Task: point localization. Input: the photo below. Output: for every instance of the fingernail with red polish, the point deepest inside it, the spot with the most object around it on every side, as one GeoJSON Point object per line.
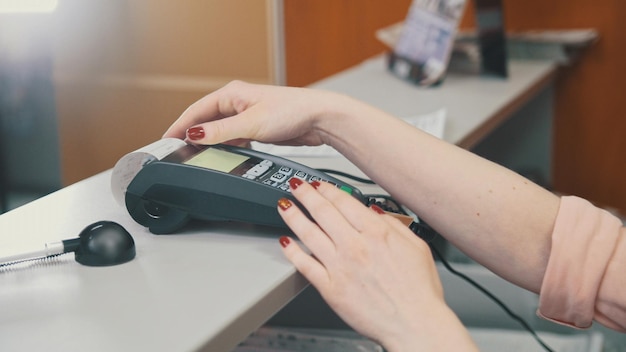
{"type": "Point", "coordinates": [315, 184]}
{"type": "Point", "coordinates": [294, 182]}
{"type": "Point", "coordinates": [284, 203]}
{"type": "Point", "coordinates": [377, 209]}
{"type": "Point", "coordinates": [195, 133]}
{"type": "Point", "coordinates": [284, 241]}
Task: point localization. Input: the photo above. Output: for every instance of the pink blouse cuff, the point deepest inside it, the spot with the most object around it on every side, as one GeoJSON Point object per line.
{"type": "Point", "coordinates": [583, 242]}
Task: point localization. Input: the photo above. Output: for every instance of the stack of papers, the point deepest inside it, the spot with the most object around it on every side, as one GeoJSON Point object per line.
{"type": "Point", "coordinates": [287, 339]}
{"type": "Point", "coordinates": [497, 340]}
{"type": "Point", "coordinates": [290, 339]}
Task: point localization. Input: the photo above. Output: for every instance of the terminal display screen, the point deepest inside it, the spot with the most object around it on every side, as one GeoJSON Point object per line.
{"type": "Point", "coordinates": [217, 159]}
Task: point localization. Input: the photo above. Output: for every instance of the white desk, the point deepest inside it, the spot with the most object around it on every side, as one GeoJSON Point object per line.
{"type": "Point", "coordinates": [210, 286]}
{"type": "Point", "coordinates": [207, 287]}
{"type": "Point", "coordinates": [475, 104]}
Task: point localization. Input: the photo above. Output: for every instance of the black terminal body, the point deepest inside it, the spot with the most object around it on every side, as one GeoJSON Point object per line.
{"type": "Point", "coordinates": [216, 183]}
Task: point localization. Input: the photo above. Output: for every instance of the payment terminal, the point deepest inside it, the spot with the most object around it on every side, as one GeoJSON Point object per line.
{"type": "Point", "coordinates": [216, 183]}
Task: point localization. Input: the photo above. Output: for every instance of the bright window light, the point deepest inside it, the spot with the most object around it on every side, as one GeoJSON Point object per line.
{"type": "Point", "coordinates": [27, 6]}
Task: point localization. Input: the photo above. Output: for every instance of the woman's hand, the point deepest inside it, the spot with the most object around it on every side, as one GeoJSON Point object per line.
{"type": "Point", "coordinates": [372, 270]}
{"type": "Point", "coordinates": [240, 112]}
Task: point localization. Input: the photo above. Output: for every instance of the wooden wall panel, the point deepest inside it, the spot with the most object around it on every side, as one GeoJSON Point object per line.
{"type": "Point", "coordinates": [590, 124]}
{"type": "Point", "coordinates": [125, 70]}
{"type": "Point", "coordinates": [324, 37]}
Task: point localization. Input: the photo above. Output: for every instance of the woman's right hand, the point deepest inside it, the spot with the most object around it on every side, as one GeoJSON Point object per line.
{"type": "Point", "coordinates": [371, 269]}
{"type": "Point", "coordinates": [241, 112]}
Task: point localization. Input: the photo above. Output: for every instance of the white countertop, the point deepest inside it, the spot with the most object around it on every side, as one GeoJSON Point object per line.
{"type": "Point", "coordinates": [475, 104]}
{"type": "Point", "coordinates": [207, 286]}
{"type": "Point", "coordinates": [212, 284]}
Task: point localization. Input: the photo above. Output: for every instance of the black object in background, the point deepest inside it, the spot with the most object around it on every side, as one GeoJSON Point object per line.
{"type": "Point", "coordinates": [491, 37]}
{"type": "Point", "coordinates": [4, 206]}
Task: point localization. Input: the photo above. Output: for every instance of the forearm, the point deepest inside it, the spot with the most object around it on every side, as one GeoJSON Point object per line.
{"type": "Point", "coordinates": [491, 213]}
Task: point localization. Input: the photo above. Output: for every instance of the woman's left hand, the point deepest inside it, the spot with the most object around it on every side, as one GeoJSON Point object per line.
{"type": "Point", "coordinates": [370, 268]}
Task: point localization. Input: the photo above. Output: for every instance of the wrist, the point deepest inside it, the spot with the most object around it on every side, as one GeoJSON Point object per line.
{"type": "Point", "coordinates": [333, 114]}
{"type": "Point", "coordinates": [346, 123]}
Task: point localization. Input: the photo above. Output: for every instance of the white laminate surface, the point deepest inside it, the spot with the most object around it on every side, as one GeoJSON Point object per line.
{"type": "Point", "coordinates": [212, 284]}
{"type": "Point", "coordinates": [470, 100]}
{"type": "Point", "coordinates": [206, 287]}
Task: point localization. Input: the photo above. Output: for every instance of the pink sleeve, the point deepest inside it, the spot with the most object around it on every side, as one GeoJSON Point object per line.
{"type": "Point", "coordinates": [584, 279]}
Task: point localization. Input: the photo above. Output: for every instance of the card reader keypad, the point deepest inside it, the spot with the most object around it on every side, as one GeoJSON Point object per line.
{"type": "Point", "coordinates": [258, 170]}
{"type": "Point", "coordinates": [277, 176]}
